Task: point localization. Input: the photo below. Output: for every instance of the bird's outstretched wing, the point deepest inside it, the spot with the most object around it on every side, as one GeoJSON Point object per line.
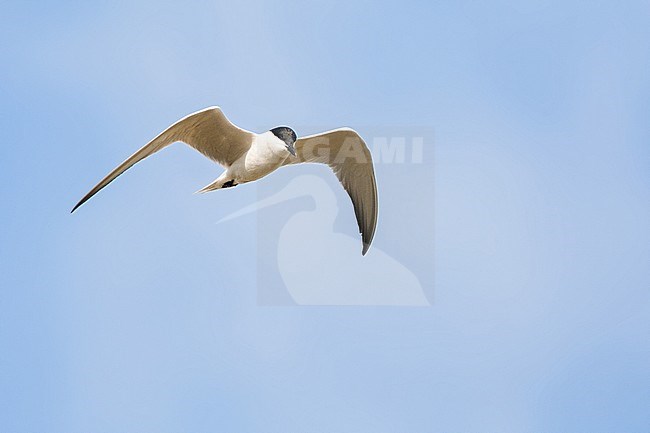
{"type": "Point", "coordinates": [208, 131]}
{"type": "Point", "coordinates": [349, 158]}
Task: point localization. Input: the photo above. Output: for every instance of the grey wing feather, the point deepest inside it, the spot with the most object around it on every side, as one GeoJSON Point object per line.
{"type": "Point", "coordinates": [345, 152]}
{"type": "Point", "coordinates": [208, 131]}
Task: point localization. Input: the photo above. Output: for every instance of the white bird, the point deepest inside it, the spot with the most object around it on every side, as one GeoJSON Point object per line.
{"type": "Point", "coordinates": [247, 156]}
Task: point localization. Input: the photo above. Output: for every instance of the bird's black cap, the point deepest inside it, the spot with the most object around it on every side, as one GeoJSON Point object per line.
{"type": "Point", "coordinates": [285, 134]}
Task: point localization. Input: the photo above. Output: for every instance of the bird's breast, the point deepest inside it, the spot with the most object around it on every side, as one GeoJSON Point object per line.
{"type": "Point", "coordinates": [261, 159]}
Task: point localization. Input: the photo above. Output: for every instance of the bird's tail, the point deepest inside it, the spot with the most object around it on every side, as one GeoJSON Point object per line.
{"type": "Point", "coordinates": [207, 188]}
{"type": "Point", "coordinates": [217, 184]}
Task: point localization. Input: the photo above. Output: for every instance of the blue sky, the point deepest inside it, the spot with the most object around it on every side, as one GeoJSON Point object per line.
{"type": "Point", "coordinates": [139, 313]}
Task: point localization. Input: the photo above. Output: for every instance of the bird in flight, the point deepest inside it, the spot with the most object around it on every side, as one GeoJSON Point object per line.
{"type": "Point", "coordinates": [247, 156]}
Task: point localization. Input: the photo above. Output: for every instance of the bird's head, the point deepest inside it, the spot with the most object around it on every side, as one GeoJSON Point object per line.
{"type": "Point", "coordinates": [287, 135]}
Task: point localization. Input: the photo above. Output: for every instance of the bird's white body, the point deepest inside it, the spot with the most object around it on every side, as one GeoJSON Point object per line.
{"type": "Point", "coordinates": [266, 154]}
{"type": "Point", "coordinates": [247, 156]}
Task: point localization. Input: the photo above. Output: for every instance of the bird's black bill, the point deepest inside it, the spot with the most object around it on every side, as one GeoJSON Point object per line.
{"type": "Point", "coordinates": [291, 149]}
